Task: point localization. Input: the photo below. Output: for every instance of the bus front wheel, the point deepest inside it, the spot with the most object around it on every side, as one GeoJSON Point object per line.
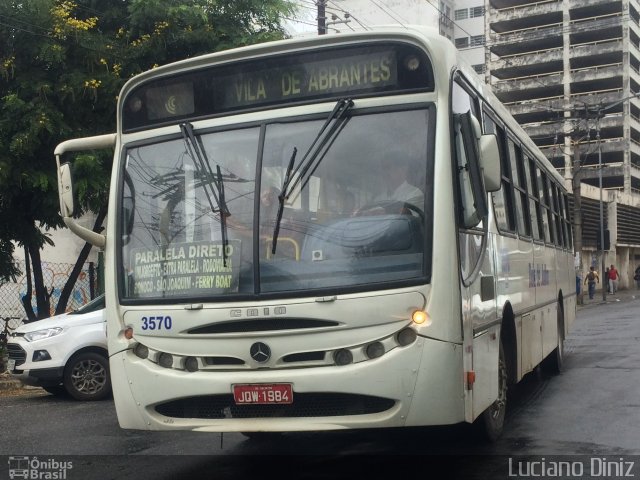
{"type": "Point", "coordinates": [490, 423]}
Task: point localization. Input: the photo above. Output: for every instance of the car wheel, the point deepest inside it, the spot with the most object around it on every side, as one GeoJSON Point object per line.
{"type": "Point", "coordinates": [86, 376]}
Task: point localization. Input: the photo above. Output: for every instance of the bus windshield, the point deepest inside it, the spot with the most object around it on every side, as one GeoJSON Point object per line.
{"type": "Point", "coordinates": [200, 214]}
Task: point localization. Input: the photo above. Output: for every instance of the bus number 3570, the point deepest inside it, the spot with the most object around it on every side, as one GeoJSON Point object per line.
{"type": "Point", "coordinates": [156, 323]}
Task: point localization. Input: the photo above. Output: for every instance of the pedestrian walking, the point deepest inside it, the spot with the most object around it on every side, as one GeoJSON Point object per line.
{"type": "Point", "coordinates": [590, 280]}
{"type": "Point", "coordinates": [636, 277]}
{"type": "Point", "coordinates": [614, 276]}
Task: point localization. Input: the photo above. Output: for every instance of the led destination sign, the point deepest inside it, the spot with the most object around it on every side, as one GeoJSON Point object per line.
{"type": "Point", "coordinates": [322, 78]}
{"type": "Point", "coordinates": [275, 80]}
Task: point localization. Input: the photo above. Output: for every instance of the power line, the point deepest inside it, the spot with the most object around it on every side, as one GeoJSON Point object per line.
{"type": "Point", "coordinates": [14, 19]}
{"type": "Point", "coordinates": [295, 20]}
{"type": "Point", "coordinates": [350, 16]}
{"type": "Point", "coordinates": [389, 14]}
{"type": "Point", "coordinates": [20, 29]}
{"type": "Point", "coordinates": [448, 18]}
{"type": "Point", "coordinates": [334, 11]}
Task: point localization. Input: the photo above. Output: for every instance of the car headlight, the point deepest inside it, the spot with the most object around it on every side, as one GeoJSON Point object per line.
{"type": "Point", "coordinates": [40, 334]}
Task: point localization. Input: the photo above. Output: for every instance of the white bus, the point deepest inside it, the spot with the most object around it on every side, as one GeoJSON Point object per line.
{"type": "Point", "coordinates": [346, 231]}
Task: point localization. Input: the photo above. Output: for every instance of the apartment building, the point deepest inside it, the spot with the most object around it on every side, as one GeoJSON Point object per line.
{"type": "Point", "coordinates": [569, 71]}
{"type": "Point", "coordinates": [469, 32]}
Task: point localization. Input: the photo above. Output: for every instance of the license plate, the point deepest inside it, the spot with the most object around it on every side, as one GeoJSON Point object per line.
{"type": "Point", "coordinates": [11, 364]}
{"type": "Point", "coordinates": [263, 393]}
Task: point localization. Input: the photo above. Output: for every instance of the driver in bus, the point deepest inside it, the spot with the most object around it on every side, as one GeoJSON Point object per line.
{"type": "Point", "coordinates": [397, 194]}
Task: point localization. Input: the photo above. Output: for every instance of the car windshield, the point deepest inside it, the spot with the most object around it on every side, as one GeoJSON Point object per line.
{"type": "Point", "coordinates": [95, 304]}
{"type": "Point", "coordinates": [354, 214]}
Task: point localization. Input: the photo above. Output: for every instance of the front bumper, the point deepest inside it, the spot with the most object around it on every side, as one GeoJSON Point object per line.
{"type": "Point", "coordinates": [40, 377]}
{"type": "Point", "coordinates": [47, 373]}
{"type": "Point", "coordinates": [390, 391]}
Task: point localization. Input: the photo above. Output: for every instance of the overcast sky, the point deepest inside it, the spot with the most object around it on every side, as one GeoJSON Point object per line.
{"type": "Point", "coordinates": [305, 21]}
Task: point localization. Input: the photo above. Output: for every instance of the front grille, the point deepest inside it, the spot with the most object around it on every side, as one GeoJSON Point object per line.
{"type": "Point", "coordinates": [263, 325]}
{"type": "Point", "coordinates": [304, 405]}
{"type": "Point", "coordinates": [304, 357]}
{"type": "Point", "coordinates": [212, 361]}
{"type": "Point", "coordinates": [17, 353]}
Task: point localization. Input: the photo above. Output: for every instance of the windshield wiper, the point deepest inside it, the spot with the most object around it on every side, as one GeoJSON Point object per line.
{"type": "Point", "coordinates": [213, 188]}
{"type": "Point", "coordinates": [281, 200]}
{"type": "Point", "coordinates": [327, 134]}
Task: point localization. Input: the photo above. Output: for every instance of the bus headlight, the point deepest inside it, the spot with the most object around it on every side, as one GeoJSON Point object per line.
{"type": "Point", "coordinates": [406, 336]}
{"type": "Point", "coordinates": [165, 360]}
{"type": "Point", "coordinates": [343, 357]}
{"type": "Point", "coordinates": [141, 351]}
{"type": "Point", "coordinates": [374, 350]}
{"type": "Point", "coordinates": [191, 364]}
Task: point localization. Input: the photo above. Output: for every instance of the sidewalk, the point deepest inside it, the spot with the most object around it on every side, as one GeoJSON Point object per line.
{"type": "Point", "coordinates": [8, 384]}
{"type": "Point", "coordinates": [620, 296]}
{"type": "Point", "coordinates": [11, 386]}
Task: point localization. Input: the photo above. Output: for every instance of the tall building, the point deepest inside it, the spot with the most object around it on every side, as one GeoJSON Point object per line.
{"type": "Point", "coordinates": [568, 71]}
{"type": "Point", "coordinates": [470, 36]}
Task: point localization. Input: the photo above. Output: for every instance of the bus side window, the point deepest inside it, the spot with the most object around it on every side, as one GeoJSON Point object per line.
{"type": "Point", "coordinates": [502, 199]}
{"type": "Point", "coordinates": [472, 196]}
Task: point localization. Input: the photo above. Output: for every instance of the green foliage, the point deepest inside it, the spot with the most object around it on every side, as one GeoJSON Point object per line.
{"type": "Point", "coordinates": [62, 65]}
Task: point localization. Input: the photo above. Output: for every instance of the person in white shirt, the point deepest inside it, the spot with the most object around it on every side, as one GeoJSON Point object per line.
{"type": "Point", "coordinates": [397, 195]}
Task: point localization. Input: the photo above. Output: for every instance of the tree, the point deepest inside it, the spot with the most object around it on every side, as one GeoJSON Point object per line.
{"type": "Point", "coordinates": [62, 64]}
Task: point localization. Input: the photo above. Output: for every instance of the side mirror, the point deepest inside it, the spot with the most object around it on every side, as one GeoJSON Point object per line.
{"type": "Point", "coordinates": [473, 197]}
{"type": "Point", "coordinates": [68, 205]}
{"type": "Point", "coordinates": [67, 198]}
{"type": "Point", "coordinates": [490, 162]}
{"type": "Point", "coordinates": [489, 157]}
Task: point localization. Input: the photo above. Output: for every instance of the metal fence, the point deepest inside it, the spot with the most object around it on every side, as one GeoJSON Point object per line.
{"type": "Point", "coordinates": [55, 275]}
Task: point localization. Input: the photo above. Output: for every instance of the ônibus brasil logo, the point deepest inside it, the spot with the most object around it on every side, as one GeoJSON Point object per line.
{"type": "Point", "coordinates": [33, 468]}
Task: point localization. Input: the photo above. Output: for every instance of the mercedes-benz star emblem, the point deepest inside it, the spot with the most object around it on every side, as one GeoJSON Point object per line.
{"type": "Point", "coordinates": [260, 352]}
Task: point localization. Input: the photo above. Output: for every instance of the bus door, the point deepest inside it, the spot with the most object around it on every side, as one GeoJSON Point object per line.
{"type": "Point", "coordinates": [477, 261]}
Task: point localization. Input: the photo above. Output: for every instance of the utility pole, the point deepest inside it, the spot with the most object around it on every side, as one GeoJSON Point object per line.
{"type": "Point", "coordinates": [577, 199]}
{"type": "Point", "coordinates": [322, 17]}
{"type": "Point", "coordinates": [577, 214]}
{"type": "Point", "coordinates": [604, 290]}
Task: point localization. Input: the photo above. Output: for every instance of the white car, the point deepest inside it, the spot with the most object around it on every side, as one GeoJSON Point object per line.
{"type": "Point", "coordinates": [64, 354]}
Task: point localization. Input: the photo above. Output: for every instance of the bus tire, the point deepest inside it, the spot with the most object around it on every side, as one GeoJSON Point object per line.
{"type": "Point", "coordinates": [554, 362]}
{"type": "Point", "coordinates": [490, 423]}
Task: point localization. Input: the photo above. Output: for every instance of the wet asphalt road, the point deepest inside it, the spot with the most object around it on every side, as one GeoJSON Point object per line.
{"type": "Point", "coordinates": [590, 411]}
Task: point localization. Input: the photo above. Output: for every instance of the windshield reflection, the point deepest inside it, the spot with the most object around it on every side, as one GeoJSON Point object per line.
{"type": "Point", "coordinates": [356, 219]}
